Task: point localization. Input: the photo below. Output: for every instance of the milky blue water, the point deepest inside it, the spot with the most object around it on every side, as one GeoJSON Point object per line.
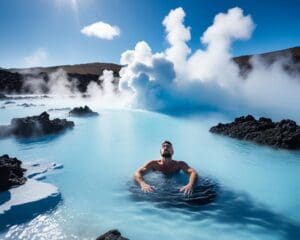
{"type": "Point", "coordinates": [258, 187]}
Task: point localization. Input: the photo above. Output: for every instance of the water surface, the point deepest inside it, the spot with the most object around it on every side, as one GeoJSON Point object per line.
{"type": "Point", "coordinates": [258, 196]}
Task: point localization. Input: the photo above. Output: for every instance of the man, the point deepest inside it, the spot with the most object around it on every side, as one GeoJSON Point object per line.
{"type": "Point", "coordinates": [166, 165]}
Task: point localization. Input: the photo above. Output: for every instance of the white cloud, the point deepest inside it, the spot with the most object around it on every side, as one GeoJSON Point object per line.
{"type": "Point", "coordinates": [101, 30]}
{"type": "Point", "coordinates": [37, 58]}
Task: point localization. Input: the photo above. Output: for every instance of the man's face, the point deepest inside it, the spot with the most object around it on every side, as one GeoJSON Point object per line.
{"type": "Point", "coordinates": [166, 150]}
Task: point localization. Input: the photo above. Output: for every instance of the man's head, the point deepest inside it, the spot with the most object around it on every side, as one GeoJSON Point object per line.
{"type": "Point", "coordinates": [166, 149]}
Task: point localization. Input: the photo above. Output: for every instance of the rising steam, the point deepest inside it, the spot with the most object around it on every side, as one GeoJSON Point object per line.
{"type": "Point", "coordinates": [178, 79]}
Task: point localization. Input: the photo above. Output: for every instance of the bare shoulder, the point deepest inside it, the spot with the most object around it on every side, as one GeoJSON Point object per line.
{"type": "Point", "coordinates": [182, 165]}
{"type": "Point", "coordinates": [150, 164]}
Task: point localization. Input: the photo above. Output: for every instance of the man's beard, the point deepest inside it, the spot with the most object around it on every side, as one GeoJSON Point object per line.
{"type": "Point", "coordinates": [166, 155]}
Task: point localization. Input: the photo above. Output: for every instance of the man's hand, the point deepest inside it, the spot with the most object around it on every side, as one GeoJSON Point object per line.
{"type": "Point", "coordinates": [146, 187]}
{"type": "Point", "coordinates": [187, 189]}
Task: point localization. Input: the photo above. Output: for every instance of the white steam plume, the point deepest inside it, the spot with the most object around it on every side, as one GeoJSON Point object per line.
{"type": "Point", "coordinates": [107, 95]}
{"type": "Point", "coordinates": [58, 83]}
{"type": "Point", "coordinates": [177, 79]}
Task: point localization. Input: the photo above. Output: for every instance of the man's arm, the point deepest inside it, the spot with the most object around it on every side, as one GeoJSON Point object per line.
{"type": "Point", "coordinates": [187, 189]}
{"type": "Point", "coordinates": [138, 176]}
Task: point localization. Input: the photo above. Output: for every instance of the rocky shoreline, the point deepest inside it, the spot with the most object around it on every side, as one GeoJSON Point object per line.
{"type": "Point", "coordinates": [284, 134]}
{"type": "Point", "coordinates": [22, 194]}
{"type": "Point", "coordinates": [34, 126]}
{"type": "Point", "coordinates": [11, 173]}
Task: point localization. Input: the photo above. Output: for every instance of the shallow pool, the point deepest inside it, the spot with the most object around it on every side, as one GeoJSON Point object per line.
{"type": "Point", "coordinates": [258, 187]}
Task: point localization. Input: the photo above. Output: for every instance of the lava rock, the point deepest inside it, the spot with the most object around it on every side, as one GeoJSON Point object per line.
{"type": "Point", "coordinates": [112, 235]}
{"type": "Point", "coordinates": [35, 126]}
{"type": "Point", "coordinates": [10, 82]}
{"type": "Point", "coordinates": [283, 134]}
{"type": "Point", "coordinates": [83, 112]}
{"type": "Point", "coordinates": [3, 96]}
{"type": "Point", "coordinates": [9, 102]}
{"type": "Point", "coordinates": [11, 173]}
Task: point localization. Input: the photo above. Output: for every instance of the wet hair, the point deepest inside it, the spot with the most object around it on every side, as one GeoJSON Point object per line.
{"type": "Point", "coordinates": [168, 142]}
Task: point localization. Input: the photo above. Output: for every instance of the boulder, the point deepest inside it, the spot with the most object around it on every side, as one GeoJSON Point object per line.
{"type": "Point", "coordinates": [283, 134]}
{"type": "Point", "coordinates": [83, 112]}
{"type": "Point", "coordinates": [112, 235]}
{"type": "Point", "coordinates": [11, 173]}
{"type": "Point", "coordinates": [35, 126]}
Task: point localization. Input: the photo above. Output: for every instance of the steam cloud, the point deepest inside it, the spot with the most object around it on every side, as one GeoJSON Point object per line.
{"type": "Point", "coordinates": [178, 79]}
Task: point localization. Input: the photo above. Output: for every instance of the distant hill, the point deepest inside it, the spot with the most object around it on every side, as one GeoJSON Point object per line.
{"type": "Point", "coordinates": [86, 68]}
{"type": "Point", "coordinates": [97, 68]}
{"type": "Point", "coordinates": [12, 80]}
{"type": "Point", "coordinates": [292, 53]}
{"type": "Point", "coordinates": [80, 75]}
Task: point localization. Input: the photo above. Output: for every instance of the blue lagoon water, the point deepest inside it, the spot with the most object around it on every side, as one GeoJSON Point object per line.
{"type": "Point", "coordinates": [258, 187]}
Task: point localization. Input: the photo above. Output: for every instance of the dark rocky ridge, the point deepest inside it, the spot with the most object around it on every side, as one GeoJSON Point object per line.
{"type": "Point", "coordinates": [292, 66]}
{"type": "Point", "coordinates": [10, 82]}
{"type": "Point", "coordinates": [11, 173]}
{"type": "Point", "coordinates": [80, 75]}
{"type": "Point", "coordinates": [86, 68]}
{"type": "Point", "coordinates": [112, 235]}
{"type": "Point", "coordinates": [83, 112]}
{"type": "Point", "coordinates": [283, 134]}
{"type": "Point", "coordinates": [34, 126]}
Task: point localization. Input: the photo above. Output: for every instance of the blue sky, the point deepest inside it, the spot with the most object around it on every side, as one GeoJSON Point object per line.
{"type": "Point", "coordinates": [51, 29]}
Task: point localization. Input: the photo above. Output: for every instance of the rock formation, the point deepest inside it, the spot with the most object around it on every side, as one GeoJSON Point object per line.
{"type": "Point", "coordinates": [35, 126]}
{"type": "Point", "coordinates": [112, 235]}
{"type": "Point", "coordinates": [83, 112]}
{"type": "Point", "coordinates": [11, 173]}
{"type": "Point", "coordinates": [283, 134]}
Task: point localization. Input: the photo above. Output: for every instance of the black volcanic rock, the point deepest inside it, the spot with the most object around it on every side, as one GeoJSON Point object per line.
{"type": "Point", "coordinates": [112, 235]}
{"type": "Point", "coordinates": [10, 82]}
{"type": "Point", "coordinates": [83, 80]}
{"type": "Point", "coordinates": [83, 112]}
{"type": "Point", "coordinates": [3, 96]}
{"type": "Point", "coordinates": [283, 134]}
{"type": "Point", "coordinates": [11, 173]}
{"type": "Point", "coordinates": [35, 126]}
